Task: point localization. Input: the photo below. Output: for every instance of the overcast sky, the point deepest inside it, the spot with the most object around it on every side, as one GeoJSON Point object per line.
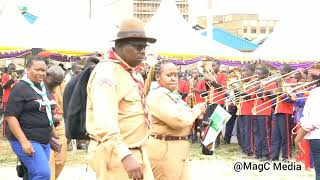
{"type": "Point", "coordinates": [266, 9]}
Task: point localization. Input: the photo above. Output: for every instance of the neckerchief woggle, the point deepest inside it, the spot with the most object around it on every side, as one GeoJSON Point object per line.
{"type": "Point", "coordinates": [43, 93]}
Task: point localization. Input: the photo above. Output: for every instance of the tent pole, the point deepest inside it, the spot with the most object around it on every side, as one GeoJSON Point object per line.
{"type": "Point", "coordinates": [90, 8]}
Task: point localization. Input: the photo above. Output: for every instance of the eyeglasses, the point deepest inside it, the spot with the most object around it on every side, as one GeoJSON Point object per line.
{"type": "Point", "coordinates": [139, 45]}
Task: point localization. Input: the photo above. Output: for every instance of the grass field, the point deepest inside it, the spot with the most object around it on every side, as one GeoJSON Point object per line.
{"type": "Point", "coordinates": [222, 161]}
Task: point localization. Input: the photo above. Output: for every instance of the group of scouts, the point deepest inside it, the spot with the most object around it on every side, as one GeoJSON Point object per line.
{"type": "Point", "coordinates": [264, 105]}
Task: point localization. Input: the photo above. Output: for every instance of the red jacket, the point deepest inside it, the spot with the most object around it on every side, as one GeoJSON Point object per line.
{"type": "Point", "coordinates": [283, 106]}
{"type": "Point", "coordinates": [183, 87]}
{"type": "Point", "coordinates": [199, 86]}
{"type": "Point", "coordinates": [6, 92]}
{"type": "Point", "coordinates": [266, 108]}
{"type": "Point", "coordinates": [245, 105]}
{"type": "Point", "coordinates": [219, 95]}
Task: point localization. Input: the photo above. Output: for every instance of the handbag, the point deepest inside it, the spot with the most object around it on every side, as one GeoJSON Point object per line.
{"type": "Point", "coordinates": [22, 171]}
{"type": "Point", "coordinates": [55, 144]}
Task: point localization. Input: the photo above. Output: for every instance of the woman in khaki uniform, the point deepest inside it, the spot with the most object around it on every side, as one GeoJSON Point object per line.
{"type": "Point", "coordinates": [172, 119]}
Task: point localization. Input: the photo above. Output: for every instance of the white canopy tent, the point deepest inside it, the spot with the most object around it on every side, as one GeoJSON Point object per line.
{"type": "Point", "coordinates": [65, 30]}
{"type": "Point", "coordinates": [176, 37]}
{"type": "Point", "coordinates": [14, 28]}
{"type": "Point", "coordinates": [295, 38]}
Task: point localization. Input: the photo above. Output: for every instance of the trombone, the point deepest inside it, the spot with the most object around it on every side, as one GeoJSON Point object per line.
{"type": "Point", "coordinates": [250, 85]}
{"type": "Point", "coordinates": [230, 86]}
{"type": "Point", "coordinates": [286, 84]}
{"type": "Point", "coordinates": [298, 87]}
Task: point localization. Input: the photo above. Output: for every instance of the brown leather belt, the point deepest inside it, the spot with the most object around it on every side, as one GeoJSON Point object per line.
{"type": "Point", "coordinates": [169, 138]}
{"type": "Point", "coordinates": [135, 148]}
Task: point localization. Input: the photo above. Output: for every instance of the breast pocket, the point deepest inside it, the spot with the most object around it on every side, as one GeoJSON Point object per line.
{"type": "Point", "coordinates": [132, 102]}
{"type": "Point", "coordinates": [132, 96]}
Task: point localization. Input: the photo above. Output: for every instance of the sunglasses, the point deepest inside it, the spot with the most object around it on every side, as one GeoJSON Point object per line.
{"type": "Point", "coordinates": [139, 45]}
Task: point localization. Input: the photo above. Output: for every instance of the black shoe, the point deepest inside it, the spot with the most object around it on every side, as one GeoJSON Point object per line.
{"type": "Point", "coordinates": [249, 154]}
{"type": "Point", "coordinates": [264, 159]}
{"type": "Point", "coordinates": [285, 160]}
{"type": "Point", "coordinates": [226, 141]}
{"type": "Point", "coordinates": [82, 146]}
{"type": "Point", "coordinates": [257, 157]}
{"type": "Point", "coordinates": [206, 151]}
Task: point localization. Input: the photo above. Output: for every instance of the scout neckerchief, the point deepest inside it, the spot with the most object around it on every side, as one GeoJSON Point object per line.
{"type": "Point", "coordinates": [43, 93]}
{"type": "Point", "coordinates": [126, 67]}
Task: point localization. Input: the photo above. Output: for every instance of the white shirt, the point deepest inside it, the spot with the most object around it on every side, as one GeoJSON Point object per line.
{"type": "Point", "coordinates": [68, 76]}
{"type": "Point", "coordinates": [311, 115]}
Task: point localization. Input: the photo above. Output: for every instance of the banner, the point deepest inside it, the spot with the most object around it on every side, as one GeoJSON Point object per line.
{"type": "Point", "coordinates": [217, 120]}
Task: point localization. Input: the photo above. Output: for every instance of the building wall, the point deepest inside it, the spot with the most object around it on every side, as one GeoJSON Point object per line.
{"type": "Point", "coordinates": [145, 9]}
{"type": "Point", "coordinates": [111, 11]}
{"type": "Point", "coordinates": [244, 25]}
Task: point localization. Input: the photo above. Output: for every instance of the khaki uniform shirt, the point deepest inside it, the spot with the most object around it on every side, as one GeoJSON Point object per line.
{"type": "Point", "coordinates": [58, 98]}
{"type": "Point", "coordinates": [170, 114]}
{"type": "Point", "coordinates": [115, 112]}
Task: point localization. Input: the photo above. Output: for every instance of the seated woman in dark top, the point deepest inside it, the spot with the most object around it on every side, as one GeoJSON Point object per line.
{"type": "Point", "coordinates": [29, 114]}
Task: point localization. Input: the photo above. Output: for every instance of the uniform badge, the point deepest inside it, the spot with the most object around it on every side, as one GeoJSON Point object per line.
{"type": "Point", "coordinates": [104, 74]}
{"type": "Point", "coordinates": [106, 81]}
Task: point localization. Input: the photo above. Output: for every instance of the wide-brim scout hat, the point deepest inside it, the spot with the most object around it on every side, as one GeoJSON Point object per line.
{"type": "Point", "coordinates": [133, 28]}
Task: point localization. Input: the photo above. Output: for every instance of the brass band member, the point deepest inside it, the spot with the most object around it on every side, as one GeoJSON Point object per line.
{"type": "Point", "coordinates": [197, 87]}
{"type": "Point", "coordinates": [262, 117]}
{"type": "Point", "coordinates": [172, 119]}
{"type": "Point", "coordinates": [245, 117]}
{"type": "Point", "coordinates": [8, 79]}
{"type": "Point", "coordinates": [217, 97]}
{"type": "Point", "coordinates": [282, 122]}
{"type": "Point", "coordinates": [183, 86]}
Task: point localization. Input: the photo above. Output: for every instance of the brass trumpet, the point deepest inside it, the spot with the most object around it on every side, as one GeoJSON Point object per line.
{"type": "Point", "coordinates": [191, 101]}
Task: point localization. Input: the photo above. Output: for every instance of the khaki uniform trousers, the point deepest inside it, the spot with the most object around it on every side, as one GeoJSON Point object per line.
{"type": "Point", "coordinates": [108, 166]}
{"type": "Point", "coordinates": [57, 160]}
{"type": "Point", "coordinates": [169, 159]}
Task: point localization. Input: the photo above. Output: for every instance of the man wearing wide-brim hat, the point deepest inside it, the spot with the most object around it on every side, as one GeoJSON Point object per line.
{"type": "Point", "coordinates": [117, 118]}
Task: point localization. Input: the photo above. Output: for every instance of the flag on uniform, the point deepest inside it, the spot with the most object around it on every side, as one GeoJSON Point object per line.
{"type": "Point", "coordinates": [217, 120]}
